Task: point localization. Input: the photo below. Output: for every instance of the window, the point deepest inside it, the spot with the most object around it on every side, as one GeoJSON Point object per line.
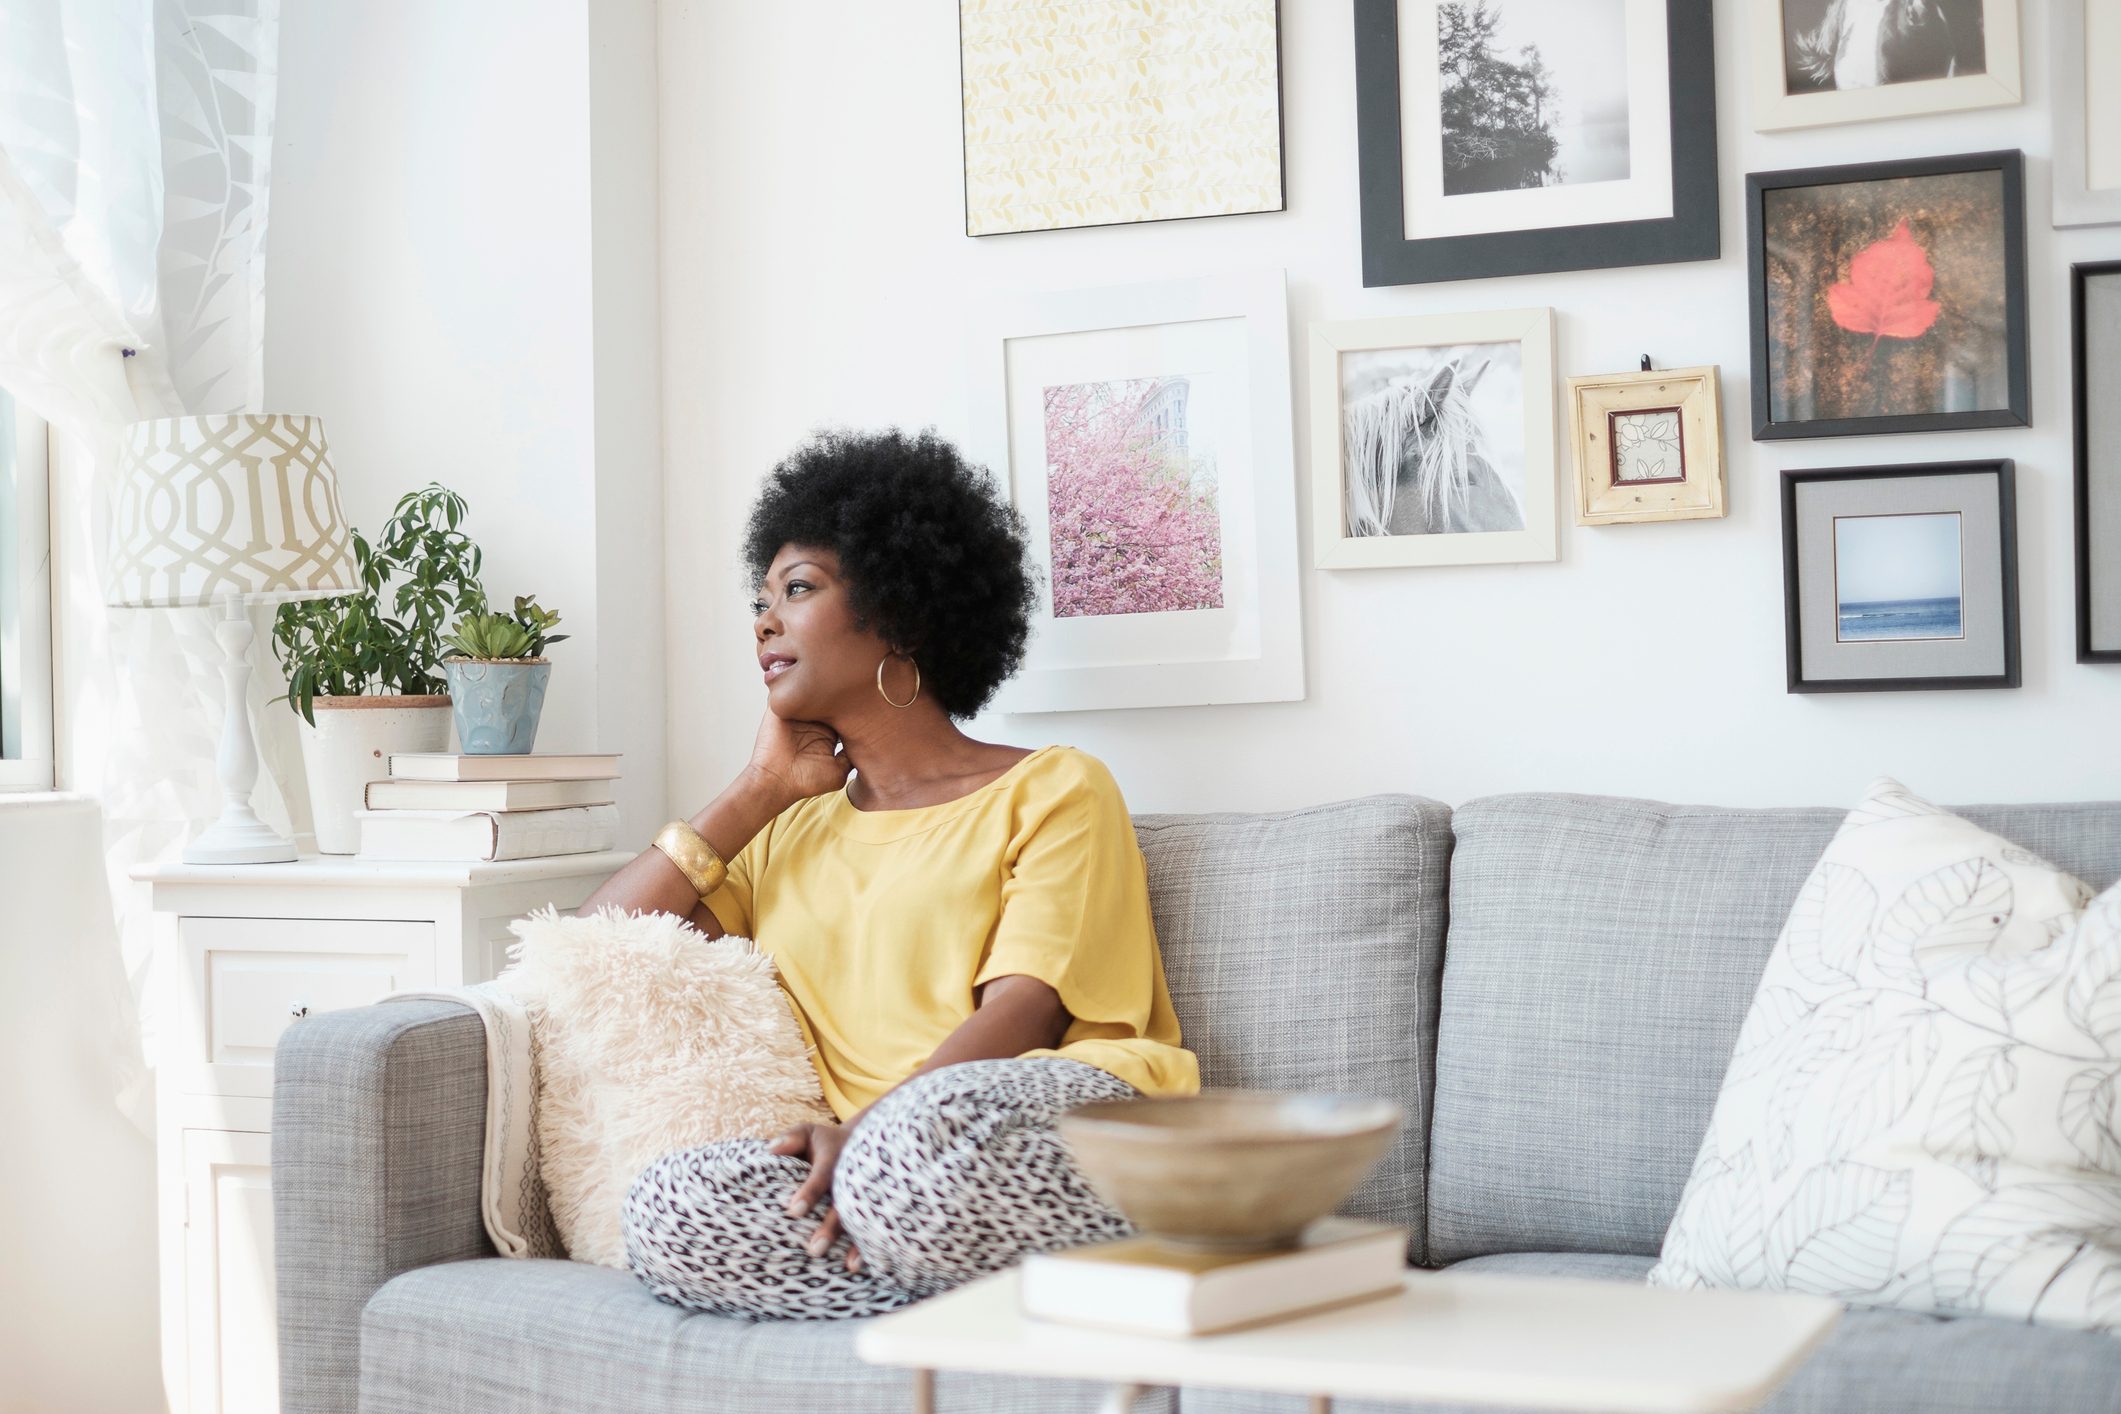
{"type": "Point", "coordinates": [25, 601]}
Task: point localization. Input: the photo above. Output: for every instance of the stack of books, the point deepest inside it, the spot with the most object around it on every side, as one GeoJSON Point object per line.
{"type": "Point", "coordinates": [1139, 1284]}
{"type": "Point", "coordinates": [440, 805]}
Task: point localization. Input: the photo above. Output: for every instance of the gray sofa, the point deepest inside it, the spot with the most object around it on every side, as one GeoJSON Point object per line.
{"type": "Point", "coordinates": [1551, 983]}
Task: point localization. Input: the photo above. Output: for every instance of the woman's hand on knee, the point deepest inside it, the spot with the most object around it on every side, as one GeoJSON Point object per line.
{"type": "Point", "coordinates": [821, 1144]}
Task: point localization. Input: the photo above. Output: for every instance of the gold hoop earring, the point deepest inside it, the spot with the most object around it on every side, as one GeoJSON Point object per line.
{"type": "Point", "coordinates": [916, 683]}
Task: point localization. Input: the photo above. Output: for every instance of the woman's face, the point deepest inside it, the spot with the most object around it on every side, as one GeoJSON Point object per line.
{"type": "Point", "coordinates": [817, 665]}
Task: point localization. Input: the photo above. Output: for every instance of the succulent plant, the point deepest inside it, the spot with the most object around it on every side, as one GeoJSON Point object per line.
{"type": "Point", "coordinates": [490, 637]}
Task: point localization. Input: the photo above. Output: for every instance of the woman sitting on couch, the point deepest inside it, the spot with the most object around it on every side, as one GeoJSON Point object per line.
{"type": "Point", "coordinates": [962, 927]}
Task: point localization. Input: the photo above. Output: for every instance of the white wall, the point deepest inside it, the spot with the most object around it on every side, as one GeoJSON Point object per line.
{"type": "Point", "coordinates": [77, 1179]}
{"type": "Point", "coordinates": [461, 280]}
{"type": "Point", "coordinates": [816, 270]}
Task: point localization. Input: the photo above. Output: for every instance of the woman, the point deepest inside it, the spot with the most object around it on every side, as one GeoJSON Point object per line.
{"type": "Point", "coordinates": [962, 927]}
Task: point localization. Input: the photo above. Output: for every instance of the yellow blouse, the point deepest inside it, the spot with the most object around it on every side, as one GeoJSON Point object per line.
{"type": "Point", "coordinates": [881, 923]}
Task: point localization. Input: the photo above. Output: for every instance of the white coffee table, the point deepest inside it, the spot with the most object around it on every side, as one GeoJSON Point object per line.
{"type": "Point", "coordinates": [1562, 1343]}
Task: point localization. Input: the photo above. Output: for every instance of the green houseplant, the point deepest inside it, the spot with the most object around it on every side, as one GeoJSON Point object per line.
{"type": "Point", "coordinates": [497, 676]}
{"type": "Point", "coordinates": [363, 670]}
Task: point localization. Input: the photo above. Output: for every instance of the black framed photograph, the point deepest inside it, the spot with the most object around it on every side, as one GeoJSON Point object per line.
{"type": "Point", "coordinates": [1518, 137]}
{"type": "Point", "coordinates": [2095, 378]}
{"type": "Point", "coordinates": [1888, 297]}
{"type": "Point", "coordinates": [1901, 578]}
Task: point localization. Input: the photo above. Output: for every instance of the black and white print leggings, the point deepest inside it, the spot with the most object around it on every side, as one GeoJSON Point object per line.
{"type": "Point", "coordinates": [954, 1174]}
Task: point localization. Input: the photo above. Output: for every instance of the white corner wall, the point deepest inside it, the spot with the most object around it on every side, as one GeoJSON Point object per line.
{"type": "Point", "coordinates": [79, 1298]}
{"type": "Point", "coordinates": [815, 270]}
{"type": "Point", "coordinates": [462, 276]}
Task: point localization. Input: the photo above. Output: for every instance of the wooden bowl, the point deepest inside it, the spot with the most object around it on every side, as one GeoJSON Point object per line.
{"type": "Point", "coordinates": [1229, 1170]}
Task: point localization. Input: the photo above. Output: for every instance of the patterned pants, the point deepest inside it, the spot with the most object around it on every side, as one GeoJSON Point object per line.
{"type": "Point", "coordinates": [950, 1176]}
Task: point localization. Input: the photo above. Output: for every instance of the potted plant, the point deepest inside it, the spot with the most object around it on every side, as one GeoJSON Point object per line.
{"type": "Point", "coordinates": [364, 678]}
{"type": "Point", "coordinates": [497, 676]}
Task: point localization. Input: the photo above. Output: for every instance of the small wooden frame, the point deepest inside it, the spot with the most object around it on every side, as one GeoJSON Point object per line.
{"type": "Point", "coordinates": [1603, 406]}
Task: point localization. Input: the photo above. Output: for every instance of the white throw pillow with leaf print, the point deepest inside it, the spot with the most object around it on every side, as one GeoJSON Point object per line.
{"type": "Point", "coordinates": [1921, 1110]}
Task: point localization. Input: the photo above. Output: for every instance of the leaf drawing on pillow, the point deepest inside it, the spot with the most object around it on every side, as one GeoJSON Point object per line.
{"type": "Point", "coordinates": [2089, 1120]}
{"type": "Point", "coordinates": [2093, 999]}
{"type": "Point", "coordinates": [2041, 1225]}
{"type": "Point", "coordinates": [1730, 1244]}
{"type": "Point", "coordinates": [2008, 986]}
{"type": "Point", "coordinates": [1877, 1083]}
{"type": "Point", "coordinates": [1839, 1233]}
{"type": "Point", "coordinates": [1777, 1018]}
{"type": "Point", "coordinates": [1836, 1028]}
{"type": "Point", "coordinates": [1967, 1123]}
{"type": "Point", "coordinates": [1828, 924]}
{"type": "Point", "coordinates": [1949, 914]}
{"type": "Point", "coordinates": [1885, 800]}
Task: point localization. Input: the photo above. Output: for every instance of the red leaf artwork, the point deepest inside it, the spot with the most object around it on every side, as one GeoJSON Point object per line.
{"type": "Point", "coordinates": [1887, 291]}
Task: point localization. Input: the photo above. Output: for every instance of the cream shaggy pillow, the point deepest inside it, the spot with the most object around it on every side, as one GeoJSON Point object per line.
{"type": "Point", "coordinates": [1921, 1109]}
{"type": "Point", "coordinates": [649, 1036]}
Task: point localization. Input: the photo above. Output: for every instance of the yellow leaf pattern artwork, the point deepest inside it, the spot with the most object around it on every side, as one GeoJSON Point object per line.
{"type": "Point", "coordinates": [1106, 111]}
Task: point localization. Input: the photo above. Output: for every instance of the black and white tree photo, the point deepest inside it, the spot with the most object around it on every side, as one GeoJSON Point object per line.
{"type": "Point", "coordinates": [1534, 93]}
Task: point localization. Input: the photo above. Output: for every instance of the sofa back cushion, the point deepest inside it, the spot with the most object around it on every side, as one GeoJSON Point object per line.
{"type": "Point", "coordinates": [1602, 955]}
{"type": "Point", "coordinates": [1303, 948]}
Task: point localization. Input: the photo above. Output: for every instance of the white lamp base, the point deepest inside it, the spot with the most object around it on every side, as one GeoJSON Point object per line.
{"type": "Point", "coordinates": [239, 836]}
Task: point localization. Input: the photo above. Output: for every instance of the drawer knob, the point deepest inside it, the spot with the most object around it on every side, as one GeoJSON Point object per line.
{"type": "Point", "coordinates": [299, 1009]}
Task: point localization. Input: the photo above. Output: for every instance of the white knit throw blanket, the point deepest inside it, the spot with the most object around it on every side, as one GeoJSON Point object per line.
{"type": "Point", "coordinates": [512, 1196]}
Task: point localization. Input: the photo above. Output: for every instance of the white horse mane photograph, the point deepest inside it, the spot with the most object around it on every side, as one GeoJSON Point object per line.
{"type": "Point", "coordinates": [1432, 441]}
{"type": "Point", "coordinates": [1841, 44]}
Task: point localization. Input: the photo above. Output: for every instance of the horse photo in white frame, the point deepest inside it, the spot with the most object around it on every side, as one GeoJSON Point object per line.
{"type": "Point", "coordinates": [1143, 433]}
{"type": "Point", "coordinates": [1849, 61]}
{"type": "Point", "coordinates": [1432, 439]}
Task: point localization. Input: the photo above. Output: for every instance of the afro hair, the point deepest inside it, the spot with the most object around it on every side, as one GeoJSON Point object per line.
{"type": "Point", "coordinates": [935, 560]}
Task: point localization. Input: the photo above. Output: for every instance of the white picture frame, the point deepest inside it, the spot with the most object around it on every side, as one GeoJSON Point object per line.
{"type": "Point", "coordinates": [2087, 168]}
{"type": "Point", "coordinates": [1776, 109]}
{"type": "Point", "coordinates": [1228, 333]}
{"type": "Point", "coordinates": [1531, 332]}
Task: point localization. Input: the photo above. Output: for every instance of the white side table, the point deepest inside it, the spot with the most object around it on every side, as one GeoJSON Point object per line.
{"type": "Point", "coordinates": [1565, 1343]}
{"type": "Point", "coordinates": [257, 946]}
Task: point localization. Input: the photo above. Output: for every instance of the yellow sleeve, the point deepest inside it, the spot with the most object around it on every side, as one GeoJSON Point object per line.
{"type": "Point", "coordinates": [1075, 914]}
{"type": "Point", "coordinates": [731, 902]}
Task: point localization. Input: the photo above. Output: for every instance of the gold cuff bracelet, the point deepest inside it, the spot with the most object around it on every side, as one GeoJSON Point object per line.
{"type": "Point", "coordinates": [682, 846]}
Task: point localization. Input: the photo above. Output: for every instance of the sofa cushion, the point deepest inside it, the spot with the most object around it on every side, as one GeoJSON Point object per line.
{"type": "Point", "coordinates": [1303, 948]}
{"type": "Point", "coordinates": [1874, 1361]}
{"type": "Point", "coordinates": [519, 1336]}
{"type": "Point", "coordinates": [1602, 954]}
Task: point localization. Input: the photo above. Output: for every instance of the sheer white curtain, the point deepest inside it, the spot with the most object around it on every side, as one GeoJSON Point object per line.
{"type": "Point", "coordinates": [135, 152]}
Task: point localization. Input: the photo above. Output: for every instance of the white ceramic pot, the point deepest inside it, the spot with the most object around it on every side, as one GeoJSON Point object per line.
{"type": "Point", "coordinates": [351, 745]}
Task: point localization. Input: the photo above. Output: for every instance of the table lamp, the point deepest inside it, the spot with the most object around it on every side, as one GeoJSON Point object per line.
{"type": "Point", "coordinates": [229, 509]}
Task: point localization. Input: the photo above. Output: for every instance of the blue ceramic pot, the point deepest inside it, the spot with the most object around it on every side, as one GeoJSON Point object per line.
{"type": "Point", "coordinates": [496, 705]}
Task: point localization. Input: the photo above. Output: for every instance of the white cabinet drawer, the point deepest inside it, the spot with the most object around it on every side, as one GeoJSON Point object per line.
{"type": "Point", "coordinates": [250, 978]}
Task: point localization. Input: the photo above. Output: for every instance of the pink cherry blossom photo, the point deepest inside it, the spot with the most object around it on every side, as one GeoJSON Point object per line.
{"type": "Point", "coordinates": [1132, 497]}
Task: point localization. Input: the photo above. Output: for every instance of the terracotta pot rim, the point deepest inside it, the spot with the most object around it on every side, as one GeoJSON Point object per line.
{"type": "Point", "coordinates": [350, 704]}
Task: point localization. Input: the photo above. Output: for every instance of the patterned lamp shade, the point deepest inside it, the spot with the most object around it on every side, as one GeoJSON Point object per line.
{"type": "Point", "coordinates": [231, 503]}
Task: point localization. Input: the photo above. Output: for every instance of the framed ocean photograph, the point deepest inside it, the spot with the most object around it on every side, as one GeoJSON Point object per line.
{"type": "Point", "coordinates": [1848, 61]}
{"type": "Point", "coordinates": [2095, 392]}
{"type": "Point", "coordinates": [1514, 137]}
{"type": "Point", "coordinates": [1889, 297]}
{"type": "Point", "coordinates": [1433, 440]}
{"type": "Point", "coordinates": [1648, 445]}
{"type": "Point", "coordinates": [2086, 40]}
{"type": "Point", "coordinates": [1110, 112]}
{"type": "Point", "coordinates": [1143, 433]}
{"type": "Point", "coordinates": [1900, 577]}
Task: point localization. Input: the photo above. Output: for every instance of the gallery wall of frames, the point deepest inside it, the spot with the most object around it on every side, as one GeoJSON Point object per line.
{"type": "Point", "coordinates": [1233, 341]}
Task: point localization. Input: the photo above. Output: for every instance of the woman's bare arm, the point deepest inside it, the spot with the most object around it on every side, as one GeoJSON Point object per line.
{"type": "Point", "coordinates": [652, 884]}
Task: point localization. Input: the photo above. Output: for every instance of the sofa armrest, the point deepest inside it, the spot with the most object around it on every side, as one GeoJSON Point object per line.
{"type": "Point", "coordinates": [379, 1124]}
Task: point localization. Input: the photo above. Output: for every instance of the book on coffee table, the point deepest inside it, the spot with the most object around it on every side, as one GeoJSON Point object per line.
{"type": "Point", "coordinates": [1142, 1285]}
